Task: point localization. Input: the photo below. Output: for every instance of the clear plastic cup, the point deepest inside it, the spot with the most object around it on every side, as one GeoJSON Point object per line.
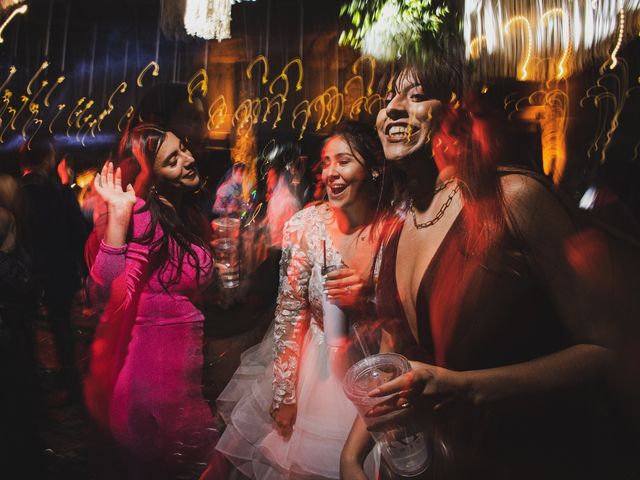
{"type": "Point", "coordinates": [403, 446]}
{"type": "Point", "coordinates": [226, 242]}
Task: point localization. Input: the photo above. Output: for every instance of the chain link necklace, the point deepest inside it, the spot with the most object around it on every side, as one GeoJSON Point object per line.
{"type": "Point", "coordinates": [440, 213]}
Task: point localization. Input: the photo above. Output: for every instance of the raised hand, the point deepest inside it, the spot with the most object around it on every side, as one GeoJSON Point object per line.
{"type": "Point", "coordinates": [119, 202]}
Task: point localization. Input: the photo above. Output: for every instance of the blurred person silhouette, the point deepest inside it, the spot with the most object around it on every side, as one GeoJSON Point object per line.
{"type": "Point", "coordinates": [229, 195]}
{"type": "Point", "coordinates": [54, 236]}
{"type": "Point", "coordinates": [21, 405]}
{"type": "Point", "coordinates": [281, 161]}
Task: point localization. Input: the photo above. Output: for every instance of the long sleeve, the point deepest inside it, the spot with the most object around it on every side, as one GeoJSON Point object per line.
{"type": "Point", "coordinates": [292, 312]}
{"type": "Point", "coordinates": [116, 273]}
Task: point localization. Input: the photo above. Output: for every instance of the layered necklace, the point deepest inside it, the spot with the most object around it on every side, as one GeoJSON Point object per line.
{"type": "Point", "coordinates": [443, 208]}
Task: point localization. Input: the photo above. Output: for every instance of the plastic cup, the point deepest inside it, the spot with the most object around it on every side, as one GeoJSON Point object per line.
{"type": "Point", "coordinates": [334, 320]}
{"type": "Point", "coordinates": [403, 446]}
{"type": "Point", "coordinates": [226, 240]}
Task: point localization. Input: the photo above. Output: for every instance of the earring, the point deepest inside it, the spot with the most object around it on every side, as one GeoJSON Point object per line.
{"type": "Point", "coordinates": [375, 174]}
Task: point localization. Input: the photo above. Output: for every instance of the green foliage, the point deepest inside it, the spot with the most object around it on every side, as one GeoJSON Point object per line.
{"type": "Point", "coordinates": [423, 16]}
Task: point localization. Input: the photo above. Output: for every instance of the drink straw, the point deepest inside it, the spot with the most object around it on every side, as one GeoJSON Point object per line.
{"type": "Point", "coordinates": [361, 343]}
{"type": "Point", "coordinates": [324, 256]}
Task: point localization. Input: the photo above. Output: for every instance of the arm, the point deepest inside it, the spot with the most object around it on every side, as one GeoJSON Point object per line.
{"type": "Point", "coordinates": [569, 263]}
{"type": "Point", "coordinates": [291, 321]}
{"type": "Point", "coordinates": [118, 266]}
{"type": "Point", "coordinates": [360, 442]}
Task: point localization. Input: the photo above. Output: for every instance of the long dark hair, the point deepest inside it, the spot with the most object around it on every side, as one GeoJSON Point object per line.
{"type": "Point", "coordinates": [181, 229]}
{"type": "Point", "coordinates": [465, 136]}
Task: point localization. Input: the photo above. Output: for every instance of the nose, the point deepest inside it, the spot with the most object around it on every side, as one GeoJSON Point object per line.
{"type": "Point", "coordinates": [332, 170]}
{"type": "Point", "coordinates": [396, 108]}
{"type": "Point", "coordinates": [188, 160]}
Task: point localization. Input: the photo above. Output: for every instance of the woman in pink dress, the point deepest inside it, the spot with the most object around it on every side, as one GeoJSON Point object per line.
{"type": "Point", "coordinates": [145, 376]}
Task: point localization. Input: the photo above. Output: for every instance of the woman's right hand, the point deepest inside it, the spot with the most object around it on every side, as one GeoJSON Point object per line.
{"type": "Point", "coordinates": [119, 203]}
{"type": "Point", "coordinates": [285, 417]}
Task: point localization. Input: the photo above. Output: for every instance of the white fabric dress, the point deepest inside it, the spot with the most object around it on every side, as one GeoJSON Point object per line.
{"type": "Point", "coordinates": [304, 371]}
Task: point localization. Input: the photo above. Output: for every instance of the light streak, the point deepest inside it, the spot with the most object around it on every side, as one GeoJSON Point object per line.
{"type": "Point", "coordinates": [476, 46]}
{"type": "Point", "coordinates": [200, 79]}
{"type": "Point", "coordinates": [126, 115]}
{"type": "Point", "coordinates": [217, 109]}
{"type": "Point", "coordinates": [39, 122]}
{"type": "Point", "coordinates": [529, 48]}
{"type": "Point", "coordinates": [12, 111]}
{"type": "Point", "coordinates": [53, 87]}
{"type": "Point", "coordinates": [61, 107]}
{"type": "Point", "coordinates": [616, 49]}
{"type": "Point", "coordinates": [259, 59]}
{"type": "Point", "coordinates": [12, 71]}
{"type": "Point", "coordinates": [156, 71]}
{"type": "Point", "coordinates": [24, 99]}
{"type": "Point", "coordinates": [20, 10]}
{"type": "Point", "coordinates": [42, 68]}
{"type": "Point", "coordinates": [121, 88]}
{"type": "Point", "coordinates": [565, 53]}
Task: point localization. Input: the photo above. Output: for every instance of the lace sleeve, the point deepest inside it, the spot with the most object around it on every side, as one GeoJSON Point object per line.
{"type": "Point", "coordinates": [292, 312]}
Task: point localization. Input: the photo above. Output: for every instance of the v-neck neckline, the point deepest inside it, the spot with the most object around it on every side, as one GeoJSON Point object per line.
{"type": "Point", "coordinates": [425, 276]}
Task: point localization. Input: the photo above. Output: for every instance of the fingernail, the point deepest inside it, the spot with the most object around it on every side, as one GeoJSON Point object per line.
{"type": "Point", "coordinates": [374, 392]}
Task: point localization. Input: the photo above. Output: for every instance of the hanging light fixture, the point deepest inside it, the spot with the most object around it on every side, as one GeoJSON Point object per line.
{"type": "Point", "coordinates": [209, 19]}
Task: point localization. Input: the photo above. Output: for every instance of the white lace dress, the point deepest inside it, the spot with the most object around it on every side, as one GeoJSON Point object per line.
{"type": "Point", "coordinates": [303, 372]}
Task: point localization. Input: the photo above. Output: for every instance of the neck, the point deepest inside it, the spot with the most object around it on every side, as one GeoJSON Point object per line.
{"type": "Point", "coordinates": [422, 174]}
{"type": "Point", "coordinates": [353, 217]}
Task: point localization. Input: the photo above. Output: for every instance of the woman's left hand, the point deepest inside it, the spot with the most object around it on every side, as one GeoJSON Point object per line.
{"type": "Point", "coordinates": [344, 287]}
{"type": "Point", "coordinates": [425, 388]}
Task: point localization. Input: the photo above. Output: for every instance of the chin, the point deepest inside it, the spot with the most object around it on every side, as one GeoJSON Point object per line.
{"type": "Point", "coordinates": [191, 184]}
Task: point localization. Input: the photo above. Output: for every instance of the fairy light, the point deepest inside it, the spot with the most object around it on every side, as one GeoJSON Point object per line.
{"type": "Point", "coordinates": [53, 87]}
{"type": "Point", "coordinates": [18, 11]}
{"type": "Point", "coordinates": [42, 68]}
{"type": "Point", "coordinates": [614, 58]}
{"type": "Point", "coordinates": [156, 71]}
{"type": "Point", "coordinates": [61, 107]}
{"type": "Point", "coordinates": [525, 21]}
{"type": "Point", "coordinates": [588, 31]}
{"type": "Point", "coordinates": [199, 80]}
{"type": "Point", "coordinates": [12, 72]}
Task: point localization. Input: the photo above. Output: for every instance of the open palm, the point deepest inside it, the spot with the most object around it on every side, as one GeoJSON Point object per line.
{"type": "Point", "coordinates": [109, 187]}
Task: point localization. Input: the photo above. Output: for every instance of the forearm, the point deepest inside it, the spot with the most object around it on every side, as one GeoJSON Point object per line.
{"type": "Point", "coordinates": [570, 367]}
{"type": "Point", "coordinates": [117, 225]}
{"type": "Point", "coordinates": [358, 445]}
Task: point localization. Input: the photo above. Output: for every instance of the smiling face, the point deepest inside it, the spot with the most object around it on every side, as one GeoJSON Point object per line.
{"type": "Point", "coordinates": [343, 173]}
{"type": "Point", "coordinates": [405, 124]}
{"type": "Point", "coordinates": [174, 165]}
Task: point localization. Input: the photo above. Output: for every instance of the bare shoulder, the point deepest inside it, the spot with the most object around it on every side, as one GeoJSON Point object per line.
{"type": "Point", "coordinates": [533, 206]}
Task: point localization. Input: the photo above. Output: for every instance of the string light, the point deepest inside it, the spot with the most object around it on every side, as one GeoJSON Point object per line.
{"type": "Point", "coordinates": [18, 11]}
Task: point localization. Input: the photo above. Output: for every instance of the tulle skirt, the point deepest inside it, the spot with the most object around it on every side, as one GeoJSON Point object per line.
{"type": "Point", "coordinates": [323, 422]}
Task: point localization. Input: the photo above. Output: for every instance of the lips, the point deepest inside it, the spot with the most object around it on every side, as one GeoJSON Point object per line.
{"type": "Point", "coordinates": [191, 175]}
{"type": "Point", "coordinates": [337, 188]}
{"type": "Point", "coordinates": [400, 132]}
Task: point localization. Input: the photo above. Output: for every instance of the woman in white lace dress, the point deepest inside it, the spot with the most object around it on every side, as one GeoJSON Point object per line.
{"type": "Point", "coordinates": [286, 413]}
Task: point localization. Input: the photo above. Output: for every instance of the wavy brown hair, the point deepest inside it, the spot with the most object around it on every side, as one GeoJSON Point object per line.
{"type": "Point", "coordinates": [185, 227]}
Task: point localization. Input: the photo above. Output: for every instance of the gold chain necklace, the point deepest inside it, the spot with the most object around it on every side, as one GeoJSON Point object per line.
{"type": "Point", "coordinates": [440, 213]}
